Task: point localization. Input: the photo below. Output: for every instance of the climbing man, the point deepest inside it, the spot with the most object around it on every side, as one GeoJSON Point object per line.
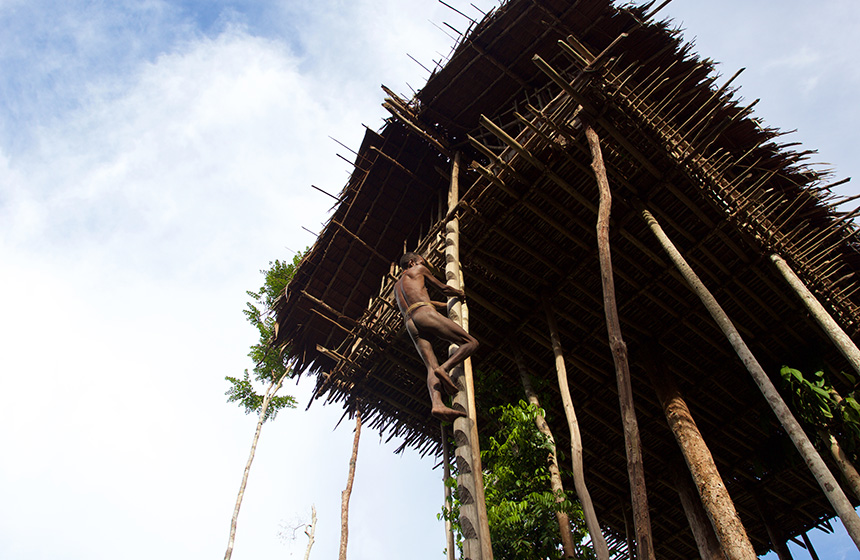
{"type": "Point", "coordinates": [422, 320]}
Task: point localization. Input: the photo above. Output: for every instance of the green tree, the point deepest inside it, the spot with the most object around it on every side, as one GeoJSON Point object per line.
{"type": "Point", "coordinates": [833, 419]}
{"type": "Point", "coordinates": [520, 505]}
{"type": "Point", "coordinates": [270, 370]}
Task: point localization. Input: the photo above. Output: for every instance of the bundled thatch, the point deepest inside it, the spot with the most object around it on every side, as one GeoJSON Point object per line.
{"type": "Point", "coordinates": [676, 142]}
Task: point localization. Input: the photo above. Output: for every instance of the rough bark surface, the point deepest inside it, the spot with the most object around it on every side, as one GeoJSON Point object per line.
{"type": "Point", "coordinates": [714, 496]}
{"type": "Point", "coordinates": [632, 442]}
{"type": "Point", "coordinates": [700, 525]}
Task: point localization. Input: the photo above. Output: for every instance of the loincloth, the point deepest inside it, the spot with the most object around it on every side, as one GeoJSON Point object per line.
{"type": "Point", "coordinates": [408, 313]}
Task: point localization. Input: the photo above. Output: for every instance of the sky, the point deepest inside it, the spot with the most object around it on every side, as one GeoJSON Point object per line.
{"type": "Point", "coordinates": [154, 157]}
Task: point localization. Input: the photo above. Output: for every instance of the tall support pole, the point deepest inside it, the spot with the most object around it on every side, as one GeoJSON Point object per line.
{"type": "Point", "coordinates": [715, 498]}
{"type": "Point", "coordinates": [777, 538]}
{"type": "Point", "coordinates": [842, 341]}
{"type": "Point", "coordinates": [632, 442]}
{"type": "Point", "coordinates": [700, 525]}
{"type": "Point", "coordinates": [628, 532]}
{"type": "Point", "coordinates": [591, 522]}
{"type": "Point", "coordinates": [567, 543]}
{"type": "Point", "coordinates": [470, 480]}
{"type": "Point", "coordinates": [813, 460]}
{"type": "Point", "coordinates": [447, 504]}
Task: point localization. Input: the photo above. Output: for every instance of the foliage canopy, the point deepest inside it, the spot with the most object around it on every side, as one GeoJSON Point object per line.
{"type": "Point", "coordinates": [521, 507]}
{"type": "Point", "coordinates": [270, 366]}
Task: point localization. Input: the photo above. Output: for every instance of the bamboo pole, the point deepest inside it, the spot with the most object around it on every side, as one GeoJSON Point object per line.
{"type": "Point", "coordinates": [714, 497]}
{"type": "Point", "coordinates": [632, 442]}
{"type": "Point", "coordinates": [567, 544]}
{"type": "Point", "coordinates": [813, 460]}
{"type": "Point", "coordinates": [842, 341]}
{"type": "Point", "coordinates": [600, 547]}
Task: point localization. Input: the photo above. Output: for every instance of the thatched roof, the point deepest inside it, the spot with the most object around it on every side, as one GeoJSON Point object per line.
{"type": "Point", "coordinates": [676, 141]}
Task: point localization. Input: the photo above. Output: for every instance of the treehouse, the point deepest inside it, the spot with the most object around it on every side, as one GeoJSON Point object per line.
{"type": "Point", "coordinates": [728, 260]}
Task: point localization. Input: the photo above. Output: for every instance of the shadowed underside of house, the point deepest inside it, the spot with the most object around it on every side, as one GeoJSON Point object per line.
{"type": "Point", "coordinates": [511, 99]}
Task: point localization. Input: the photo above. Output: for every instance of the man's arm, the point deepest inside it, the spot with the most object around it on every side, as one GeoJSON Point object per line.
{"type": "Point", "coordinates": [444, 288]}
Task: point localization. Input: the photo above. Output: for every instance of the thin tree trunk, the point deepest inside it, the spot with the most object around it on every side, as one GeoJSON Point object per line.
{"type": "Point", "coordinates": [344, 496]}
{"type": "Point", "coordinates": [567, 544]}
{"type": "Point", "coordinates": [813, 460]}
{"type": "Point", "coordinates": [849, 472]}
{"type": "Point", "coordinates": [777, 540]}
{"type": "Point", "coordinates": [632, 442]}
{"type": "Point", "coordinates": [310, 531]}
{"type": "Point", "coordinates": [842, 341]}
{"type": "Point", "coordinates": [267, 398]}
{"type": "Point", "coordinates": [591, 522]}
{"type": "Point", "coordinates": [809, 547]}
{"type": "Point", "coordinates": [852, 477]}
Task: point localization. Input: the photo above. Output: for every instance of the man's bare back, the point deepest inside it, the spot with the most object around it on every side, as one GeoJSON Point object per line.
{"type": "Point", "coordinates": [423, 321]}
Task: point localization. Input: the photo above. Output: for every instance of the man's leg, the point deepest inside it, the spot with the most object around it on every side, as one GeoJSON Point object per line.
{"type": "Point", "coordinates": [434, 383]}
{"type": "Point", "coordinates": [435, 324]}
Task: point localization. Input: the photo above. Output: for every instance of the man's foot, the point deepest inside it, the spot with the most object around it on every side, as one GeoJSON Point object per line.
{"type": "Point", "coordinates": [446, 414]}
{"type": "Point", "coordinates": [448, 384]}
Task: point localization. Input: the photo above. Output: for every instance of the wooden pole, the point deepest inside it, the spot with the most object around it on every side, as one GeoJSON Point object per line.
{"type": "Point", "coordinates": [849, 473]}
{"type": "Point", "coordinates": [718, 505]}
{"type": "Point", "coordinates": [600, 547]}
{"type": "Point", "coordinates": [632, 442]}
{"type": "Point", "coordinates": [470, 481]}
{"type": "Point", "coordinates": [447, 504]}
{"type": "Point", "coordinates": [628, 533]}
{"type": "Point", "coordinates": [842, 341]}
{"type": "Point", "coordinates": [809, 547]}
{"type": "Point", "coordinates": [700, 525]}
{"type": "Point", "coordinates": [567, 543]}
{"type": "Point", "coordinates": [344, 496]}
{"type": "Point", "coordinates": [813, 460]}
{"type": "Point", "coordinates": [777, 540]}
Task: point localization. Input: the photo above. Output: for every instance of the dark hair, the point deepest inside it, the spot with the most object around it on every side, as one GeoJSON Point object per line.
{"type": "Point", "coordinates": [408, 256]}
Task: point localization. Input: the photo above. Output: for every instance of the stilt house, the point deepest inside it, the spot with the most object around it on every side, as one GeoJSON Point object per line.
{"type": "Point", "coordinates": [690, 169]}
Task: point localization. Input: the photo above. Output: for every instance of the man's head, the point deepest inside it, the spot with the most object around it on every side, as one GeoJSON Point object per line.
{"type": "Point", "coordinates": [409, 259]}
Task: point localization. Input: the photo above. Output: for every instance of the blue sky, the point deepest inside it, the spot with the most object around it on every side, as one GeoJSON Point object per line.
{"type": "Point", "coordinates": [154, 156]}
